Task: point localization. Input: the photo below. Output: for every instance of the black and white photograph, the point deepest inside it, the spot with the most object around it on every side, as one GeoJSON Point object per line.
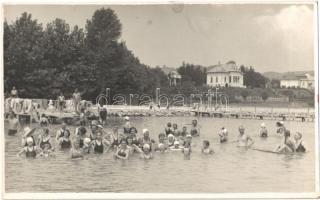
{"type": "Point", "coordinates": [168, 98]}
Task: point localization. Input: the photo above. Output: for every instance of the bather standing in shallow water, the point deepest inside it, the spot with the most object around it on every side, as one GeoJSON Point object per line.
{"type": "Point", "coordinates": [243, 139]}
{"type": "Point", "coordinates": [195, 130]}
{"type": "Point", "coordinates": [122, 151]}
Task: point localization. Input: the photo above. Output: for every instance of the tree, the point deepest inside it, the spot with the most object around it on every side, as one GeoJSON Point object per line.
{"type": "Point", "coordinates": [244, 94]}
{"type": "Point", "coordinates": [264, 95]}
{"type": "Point", "coordinates": [193, 73]}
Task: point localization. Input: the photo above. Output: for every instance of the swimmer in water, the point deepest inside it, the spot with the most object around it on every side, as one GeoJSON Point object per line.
{"type": "Point", "coordinates": [223, 134]}
{"type": "Point", "coordinates": [47, 151]}
{"type": "Point", "coordinates": [168, 129]}
{"type": "Point", "coordinates": [145, 153]}
{"type": "Point", "coordinates": [206, 148]}
{"type": "Point", "coordinates": [175, 130]}
{"type": "Point", "coordinates": [112, 138]}
{"type": "Point", "coordinates": [76, 151]}
{"type": "Point", "coordinates": [281, 128]}
{"type": "Point", "coordinates": [98, 144]}
{"type": "Point", "coordinates": [80, 134]}
{"type": "Point", "coordinates": [243, 139]}
{"type": "Point", "coordinates": [28, 132]}
{"type": "Point", "coordinates": [263, 130]}
{"type": "Point", "coordinates": [13, 123]}
{"type": "Point", "coordinates": [122, 151]}
{"type": "Point", "coordinates": [44, 121]}
{"type": "Point", "coordinates": [299, 146]}
{"type": "Point", "coordinates": [30, 150]}
{"type": "Point", "coordinates": [184, 131]}
{"type": "Point", "coordinates": [86, 145]}
{"type": "Point", "coordinates": [162, 142]}
{"type": "Point", "coordinates": [170, 140]}
{"type": "Point", "coordinates": [146, 138]}
{"type": "Point", "coordinates": [63, 130]}
{"type": "Point", "coordinates": [64, 142]}
{"type": "Point", "coordinates": [195, 130]}
{"type": "Point", "coordinates": [44, 139]}
{"type": "Point", "coordinates": [286, 145]}
{"type": "Point", "coordinates": [176, 146]}
{"type": "Point", "coordinates": [186, 150]}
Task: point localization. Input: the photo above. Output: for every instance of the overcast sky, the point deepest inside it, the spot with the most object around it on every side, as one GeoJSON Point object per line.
{"type": "Point", "coordinates": [267, 37]}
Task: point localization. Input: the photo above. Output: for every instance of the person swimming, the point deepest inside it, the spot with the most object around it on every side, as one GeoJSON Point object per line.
{"type": "Point", "coordinates": [168, 129]}
{"type": "Point", "coordinates": [263, 130]}
{"type": "Point", "coordinates": [175, 130]}
{"type": "Point", "coordinates": [299, 146]}
{"type": "Point", "coordinates": [280, 128]}
{"type": "Point", "coordinates": [28, 132]}
{"type": "Point", "coordinates": [145, 152]}
{"type": "Point", "coordinates": [44, 139]}
{"type": "Point", "coordinates": [243, 138]}
{"type": "Point", "coordinates": [13, 123]}
{"type": "Point", "coordinates": [44, 121]}
{"type": "Point", "coordinates": [98, 144]}
{"type": "Point", "coordinates": [170, 140]}
{"type": "Point", "coordinates": [63, 130]}
{"type": "Point", "coordinates": [186, 150]}
{"type": "Point", "coordinates": [195, 130]}
{"type": "Point", "coordinates": [80, 134]}
{"type": "Point", "coordinates": [30, 150]}
{"type": "Point", "coordinates": [223, 134]}
{"type": "Point", "coordinates": [112, 138]}
{"type": "Point", "coordinates": [184, 131]}
{"type": "Point", "coordinates": [286, 145]}
{"type": "Point", "coordinates": [176, 146]}
{"type": "Point", "coordinates": [122, 151]}
{"type": "Point", "coordinates": [206, 148]}
{"type": "Point", "coordinates": [64, 142]}
{"type": "Point", "coordinates": [86, 145]}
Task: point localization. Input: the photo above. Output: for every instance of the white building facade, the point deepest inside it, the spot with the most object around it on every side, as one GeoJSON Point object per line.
{"type": "Point", "coordinates": [305, 81]}
{"type": "Point", "coordinates": [225, 75]}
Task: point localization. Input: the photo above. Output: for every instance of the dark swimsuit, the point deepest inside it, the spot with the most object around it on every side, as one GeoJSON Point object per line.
{"type": "Point", "coordinates": [65, 144]}
{"type": "Point", "coordinates": [301, 148]}
{"type": "Point", "coordinates": [42, 144]}
{"type": "Point", "coordinates": [31, 154]}
{"type": "Point", "coordinates": [122, 153]}
{"type": "Point", "coordinates": [98, 148]}
{"type": "Point", "coordinates": [34, 143]}
{"type": "Point", "coordinates": [194, 132]}
{"type": "Point", "coordinates": [168, 131]}
{"type": "Point", "coordinates": [80, 143]}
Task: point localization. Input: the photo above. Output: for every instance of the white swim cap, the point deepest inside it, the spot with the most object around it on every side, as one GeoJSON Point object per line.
{"type": "Point", "coordinates": [224, 130]}
{"type": "Point", "coordinates": [189, 136]}
{"type": "Point", "coordinates": [146, 146]}
{"type": "Point", "coordinates": [86, 141]}
{"type": "Point", "coordinates": [29, 139]}
{"type": "Point", "coordinates": [170, 136]}
{"type": "Point", "coordinates": [145, 130]}
{"type": "Point", "coordinates": [281, 122]}
{"type": "Point", "coordinates": [263, 125]}
{"type": "Point", "coordinates": [176, 143]}
{"type": "Point", "coordinates": [127, 118]}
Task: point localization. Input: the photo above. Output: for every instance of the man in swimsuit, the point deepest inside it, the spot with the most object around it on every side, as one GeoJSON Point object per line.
{"type": "Point", "coordinates": [63, 130]}
{"type": "Point", "coordinates": [243, 139]}
{"type": "Point", "coordinates": [168, 129]}
{"type": "Point", "coordinates": [195, 130]}
{"type": "Point", "coordinates": [123, 151]}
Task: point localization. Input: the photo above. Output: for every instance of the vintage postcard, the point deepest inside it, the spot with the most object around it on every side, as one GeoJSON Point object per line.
{"type": "Point", "coordinates": [160, 100]}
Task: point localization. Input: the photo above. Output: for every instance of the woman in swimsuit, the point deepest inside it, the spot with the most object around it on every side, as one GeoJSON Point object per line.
{"type": "Point", "coordinates": [98, 144]}
{"type": "Point", "coordinates": [263, 130]}
{"type": "Point", "coordinates": [30, 150]}
{"type": "Point", "coordinates": [223, 134]}
{"type": "Point", "coordinates": [145, 152]}
{"type": "Point", "coordinates": [243, 139]}
{"type": "Point", "coordinates": [122, 151]}
{"type": "Point", "coordinates": [64, 142]}
{"type": "Point", "coordinates": [28, 132]}
{"type": "Point", "coordinates": [81, 135]}
{"type": "Point", "coordinates": [195, 130]}
{"type": "Point", "coordinates": [44, 139]}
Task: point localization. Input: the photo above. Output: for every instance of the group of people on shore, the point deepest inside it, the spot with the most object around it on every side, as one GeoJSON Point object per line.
{"type": "Point", "coordinates": [94, 139]}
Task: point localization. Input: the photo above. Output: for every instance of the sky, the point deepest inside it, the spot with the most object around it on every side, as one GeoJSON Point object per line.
{"type": "Point", "coordinates": [269, 37]}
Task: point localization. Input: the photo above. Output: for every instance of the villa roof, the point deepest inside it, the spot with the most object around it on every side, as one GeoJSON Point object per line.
{"type": "Point", "coordinates": [227, 67]}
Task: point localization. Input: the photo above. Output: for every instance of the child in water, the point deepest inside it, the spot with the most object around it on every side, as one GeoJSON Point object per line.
{"type": "Point", "coordinates": [206, 148]}
{"type": "Point", "coordinates": [30, 150]}
{"type": "Point", "coordinates": [223, 134]}
{"type": "Point", "coordinates": [47, 151]}
{"type": "Point", "coordinates": [145, 153]}
{"type": "Point", "coordinates": [263, 130]}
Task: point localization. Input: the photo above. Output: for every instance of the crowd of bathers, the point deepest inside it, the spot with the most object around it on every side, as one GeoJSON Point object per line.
{"type": "Point", "coordinates": [126, 142]}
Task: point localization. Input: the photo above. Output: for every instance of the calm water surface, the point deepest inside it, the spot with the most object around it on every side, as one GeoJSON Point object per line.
{"type": "Point", "coordinates": [230, 169]}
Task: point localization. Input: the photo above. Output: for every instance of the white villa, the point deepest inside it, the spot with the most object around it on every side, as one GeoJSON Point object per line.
{"type": "Point", "coordinates": [225, 75]}
{"type": "Point", "coordinates": [298, 81]}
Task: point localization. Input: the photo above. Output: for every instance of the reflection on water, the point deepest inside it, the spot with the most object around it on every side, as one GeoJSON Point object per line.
{"type": "Point", "coordinates": [229, 169]}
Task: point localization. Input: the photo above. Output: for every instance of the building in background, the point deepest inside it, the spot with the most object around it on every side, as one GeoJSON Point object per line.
{"type": "Point", "coordinates": [225, 75]}
{"type": "Point", "coordinates": [298, 81]}
{"type": "Point", "coordinates": [173, 75]}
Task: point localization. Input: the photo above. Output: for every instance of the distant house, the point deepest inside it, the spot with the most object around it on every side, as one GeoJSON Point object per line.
{"type": "Point", "coordinates": [225, 75]}
{"type": "Point", "coordinates": [298, 81]}
{"type": "Point", "coordinates": [173, 75]}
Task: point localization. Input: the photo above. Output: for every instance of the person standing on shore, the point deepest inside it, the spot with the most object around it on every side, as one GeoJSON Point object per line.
{"type": "Point", "coordinates": [76, 97]}
{"type": "Point", "coordinates": [61, 100]}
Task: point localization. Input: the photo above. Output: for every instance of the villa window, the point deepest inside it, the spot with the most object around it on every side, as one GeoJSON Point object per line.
{"type": "Point", "coordinates": [211, 79]}
{"type": "Point", "coordinates": [216, 79]}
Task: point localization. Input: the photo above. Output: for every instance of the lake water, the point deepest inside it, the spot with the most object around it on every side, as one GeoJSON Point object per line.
{"type": "Point", "coordinates": [230, 169]}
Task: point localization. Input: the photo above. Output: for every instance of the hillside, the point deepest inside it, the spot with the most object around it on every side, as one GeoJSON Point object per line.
{"type": "Point", "coordinates": [277, 75]}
